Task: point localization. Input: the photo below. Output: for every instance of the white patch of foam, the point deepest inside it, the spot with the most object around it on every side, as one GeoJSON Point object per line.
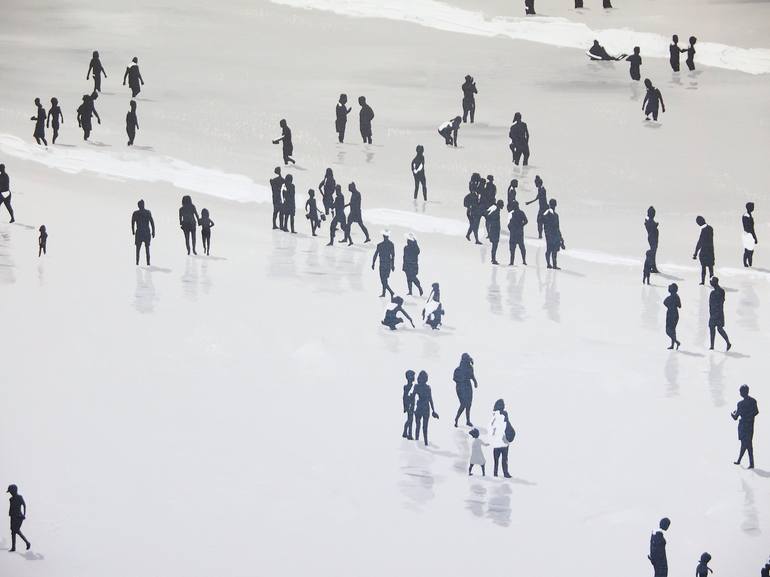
{"type": "Point", "coordinates": [545, 30]}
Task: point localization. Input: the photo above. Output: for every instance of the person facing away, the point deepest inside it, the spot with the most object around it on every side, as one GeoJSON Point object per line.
{"type": "Point", "coordinates": [652, 236]}
{"type": "Point", "coordinates": [206, 225]}
{"type": "Point", "coordinates": [311, 212]}
{"type": "Point", "coordinates": [517, 220]}
{"type": "Point", "coordinates": [339, 217]}
{"type": "Point", "coordinates": [85, 111]}
{"type": "Point", "coordinates": [746, 411]}
{"type": "Point", "coordinates": [424, 408]}
{"type": "Point", "coordinates": [672, 303]}
{"type": "Point", "coordinates": [143, 229]}
{"type": "Point", "coordinates": [418, 171]}
{"type": "Point", "coordinates": [5, 192]}
{"type": "Point", "coordinates": [690, 61]}
{"type": "Point", "coordinates": [341, 120]}
{"type": "Point", "coordinates": [469, 98]}
{"type": "Point", "coordinates": [647, 267]}
{"type": "Point", "coordinates": [392, 320]}
{"type": "Point", "coordinates": [276, 186]}
{"type": "Point", "coordinates": [134, 77]}
{"type": "Point", "coordinates": [493, 226]}
{"type": "Point", "coordinates": [95, 67]}
{"type": "Point", "coordinates": [39, 118]}
{"type": "Point", "coordinates": [477, 453]}
{"type": "Point", "coordinates": [635, 60]}
{"type": "Point", "coordinates": [653, 101]}
{"type": "Point", "coordinates": [542, 204]}
{"type": "Point", "coordinates": [717, 313]}
{"type": "Point", "coordinates": [465, 382]}
{"type": "Point", "coordinates": [132, 123]}
{"type": "Point", "coordinates": [365, 117]}
{"type": "Point", "coordinates": [188, 222]}
{"type": "Point", "coordinates": [386, 252]}
{"type": "Point", "coordinates": [326, 188]}
{"type": "Point", "coordinates": [449, 130]}
{"type": "Point", "coordinates": [53, 118]}
{"type": "Point", "coordinates": [433, 310]}
{"type": "Point", "coordinates": [288, 205]}
{"type": "Point", "coordinates": [553, 238]}
{"type": "Point", "coordinates": [498, 438]}
{"type": "Point", "coordinates": [17, 511]}
{"type": "Point", "coordinates": [519, 135]}
{"type": "Point", "coordinates": [354, 215]}
{"type": "Point", "coordinates": [408, 402]}
{"type": "Point", "coordinates": [703, 569]}
{"type": "Point", "coordinates": [512, 194]}
{"type": "Point", "coordinates": [749, 235]}
{"type": "Point", "coordinates": [411, 266]}
{"type": "Point", "coordinates": [704, 249]}
{"type": "Point", "coordinates": [287, 146]}
{"type": "Point", "coordinates": [42, 241]}
{"type": "Point", "coordinates": [657, 554]}
{"type": "Point", "coordinates": [674, 52]}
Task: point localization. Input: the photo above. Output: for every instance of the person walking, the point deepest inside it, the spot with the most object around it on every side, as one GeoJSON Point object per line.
{"type": "Point", "coordinates": [134, 77]}
{"type": "Point", "coordinates": [354, 215]}
{"type": "Point", "coordinates": [653, 101]}
{"type": "Point", "coordinates": [519, 135]}
{"type": "Point", "coordinates": [96, 69]}
{"type": "Point", "coordinates": [746, 411]}
{"type": "Point", "coordinates": [465, 382]}
{"type": "Point", "coordinates": [85, 111]}
{"type": "Point", "coordinates": [206, 225]}
{"type": "Point", "coordinates": [287, 146]}
{"type": "Point", "coordinates": [499, 438]}
{"type": "Point", "coordinates": [39, 118]}
{"type": "Point", "coordinates": [17, 511]}
{"type": "Point", "coordinates": [188, 222]}
{"type": "Point", "coordinates": [386, 252]}
{"type": "Point", "coordinates": [477, 453]}
{"type": "Point", "coordinates": [339, 217]}
{"type": "Point", "coordinates": [635, 60]}
{"type": "Point", "coordinates": [54, 116]}
{"type": "Point", "coordinates": [311, 212]}
{"type": "Point", "coordinates": [132, 123]}
{"type": "Point", "coordinates": [653, 235]}
{"type": "Point", "coordinates": [704, 249]}
{"type": "Point", "coordinates": [411, 265]}
{"type": "Point", "coordinates": [749, 235]}
{"type": "Point", "coordinates": [717, 313]}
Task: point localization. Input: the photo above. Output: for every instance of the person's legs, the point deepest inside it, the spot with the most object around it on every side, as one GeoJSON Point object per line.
{"type": "Point", "coordinates": [516, 153]}
{"type": "Point", "coordinates": [466, 110]}
{"type": "Point", "coordinates": [745, 257]}
{"type": "Point", "coordinates": [473, 112]}
{"type": "Point", "coordinates": [723, 334]}
{"type": "Point", "coordinates": [425, 429]}
{"type": "Point", "coordinates": [276, 214]}
{"type": "Point", "coordinates": [460, 410]}
{"type": "Point", "coordinates": [751, 258]}
{"type": "Point", "coordinates": [416, 282]}
{"type": "Point", "coordinates": [504, 452]}
{"type": "Point", "coordinates": [470, 470]}
{"type": "Point", "coordinates": [711, 270]}
{"type": "Point", "coordinates": [525, 149]}
{"type": "Point", "coordinates": [494, 251]}
{"type": "Point", "coordinates": [483, 471]}
{"type": "Point", "coordinates": [522, 250]}
{"type": "Point", "coordinates": [703, 274]}
{"type": "Point", "coordinates": [192, 234]}
{"type": "Point", "coordinates": [496, 455]}
{"type": "Point", "coordinates": [186, 232]}
{"type": "Point", "coordinates": [291, 222]}
{"type": "Point", "coordinates": [555, 265]}
{"type": "Point", "coordinates": [147, 252]}
{"type": "Point", "coordinates": [712, 335]}
{"type": "Point", "coordinates": [7, 202]}
{"type": "Point", "coordinates": [750, 450]}
{"type": "Point", "coordinates": [548, 257]}
{"type": "Point", "coordinates": [511, 250]}
{"type": "Point", "coordinates": [539, 225]}
{"type": "Point", "coordinates": [417, 425]}
{"type": "Point", "coordinates": [468, 413]}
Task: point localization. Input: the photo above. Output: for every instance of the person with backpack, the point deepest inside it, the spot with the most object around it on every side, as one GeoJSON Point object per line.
{"type": "Point", "coordinates": [501, 434]}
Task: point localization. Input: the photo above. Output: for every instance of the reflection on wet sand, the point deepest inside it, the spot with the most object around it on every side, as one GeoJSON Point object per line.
{"type": "Point", "coordinates": [144, 296]}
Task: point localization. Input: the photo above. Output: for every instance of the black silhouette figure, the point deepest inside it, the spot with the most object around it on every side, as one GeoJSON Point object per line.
{"type": "Point", "coordinates": [433, 310]}
{"type": "Point", "coordinates": [53, 118]}
{"type": "Point", "coordinates": [477, 453]}
{"type": "Point", "coordinates": [493, 227]}
{"type": "Point", "coordinates": [392, 320]}
{"type": "Point", "coordinates": [717, 313]}
{"type": "Point", "coordinates": [512, 194]}
{"type": "Point", "coordinates": [341, 121]}
{"type": "Point", "coordinates": [465, 382]}
{"type": "Point", "coordinates": [516, 222]}
{"type": "Point", "coordinates": [472, 204]}
{"type": "Point", "coordinates": [542, 204]}
{"type": "Point", "coordinates": [143, 229]}
{"type": "Point", "coordinates": [749, 236]}
{"type": "Point", "coordinates": [690, 61]}
{"type": "Point", "coordinates": [408, 401]}
{"type": "Point", "coordinates": [365, 117]}
{"type": "Point", "coordinates": [765, 571]}
{"type": "Point", "coordinates": [647, 267]}
{"type": "Point", "coordinates": [469, 98]}
{"type": "Point", "coordinates": [674, 52]}
{"type": "Point", "coordinates": [288, 206]}
{"type": "Point", "coordinates": [657, 554]}
{"type": "Point", "coordinates": [500, 431]}
{"type": "Point", "coordinates": [553, 238]}
{"type": "Point", "coordinates": [188, 222]}
{"type": "Point", "coordinates": [652, 236]}
{"type": "Point", "coordinates": [276, 186]}
{"type": "Point", "coordinates": [529, 7]}
{"type": "Point", "coordinates": [636, 63]}
{"type": "Point", "coordinates": [449, 130]}
{"type": "Point", "coordinates": [354, 215]}
{"type": "Point", "coordinates": [598, 52]}
{"type": "Point", "coordinates": [703, 569]}
{"type": "Point", "coordinates": [5, 191]}
{"type": "Point", "coordinates": [39, 119]}
{"type": "Point", "coordinates": [578, 3]}
{"type": "Point", "coordinates": [42, 241]}
{"type": "Point", "coordinates": [287, 146]}
{"type": "Point", "coordinates": [418, 171]}
{"type": "Point", "coordinates": [606, 4]}
{"type": "Point", "coordinates": [653, 101]}
{"type": "Point", "coordinates": [488, 198]}
{"type": "Point", "coordinates": [746, 411]}
{"type": "Point", "coordinates": [134, 77]}
{"type": "Point", "coordinates": [519, 135]}
{"type": "Point", "coordinates": [95, 67]}
{"type": "Point", "coordinates": [326, 188]}
{"type": "Point", "coordinates": [17, 511]}
{"type": "Point", "coordinates": [672, 303]}
{"type": "Point", "coordinates": [132, 123]}
{"type": "Point", "coordinates": [311, 212]}
{"type": "Point", "coordinates": [411, 265]}
{"type": "Point", "coordinates": [704, 250]}
{"type": "Point", "coordinates": [339, 217]}
{"type": "Point", "coordinates": [424, 408]}
{"type": "Point", "coordinates": [386, 252]}
{"type": "Point", "coordinates": [85, 111]}
{"type": "Point", "coordinates": [206, 225]}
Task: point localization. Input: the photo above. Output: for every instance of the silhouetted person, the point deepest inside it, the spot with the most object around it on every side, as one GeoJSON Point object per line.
{"type": "Point", "coordinates": [134, 77]}
{"type": "Point", "coordinates": [657, 554]}
{"type": "Point", "coordinates": [635, 61]}
{"type": "Point", "coordinates": [652, 236]}
{"type": "Point", "coordinates": [690, 61]}
{"type": "Point", "coordinates": [704, 250]}
{"type": "Point", "coordinates": [477, 453]}
{"type": "Point", "coordinates": [411, 263]}
{"type": "Point", "coordinates": [553, 238]}
{"type": "Point", "coordinates": [449, 131]}
{"type": "Point", "coordinates": [326, 188]}
{"type": "Point", "coordinates": [96, 69]}
{"type": "Point", "coordinates": [418, 171]}
{"type": "Point", "coordinates": [511, 194]}
{"type": "Point", "coordinates": [287, 147]}
{"type": "Point", "coordinates": [598, 51]}
{"type": "Point", "coordinates": [386, 252]}
{"type": "Point", "coordinates": [365, 117]}
{"type": "Point", "coordinates": [517, 220]}
{"type": "Point", "coordinates": [311, 212]}
{"type": "Point", "coordinates": [289, 205]}
{"type": "Point", "coordinates": [488, 198]}
{"type": "Point", "coordinates": [465, 382]}
{"type": "Point", "coordinates": [392, 320]}
{"type": "Point", "coordinates": [542, 205]}
{"type": "Point", "coordinates": [469, 98]}
{"type": "Point", "coordinates": [188, 222]}
{"type": "Point", "coordinates": [746, 411]}
{"type": "Point", "coordinates": [717, 313]}
{"type": "Point", "coordinates": [703, 569]}
{"type": "Point", "coordinates": [578, 3]}
{"type": "Point", "coordinates": [433, 310]}
{"type": "Point", "coordinates": [408, 401]}
{"type": "Point", "coordinates": [606, 4]}
{"type": "Point", "coordinates": [674, 52]}
{"type": "Point", "coordinates": [339, 217]}
{"type": "Point", "coordinates": [423, 406]}
{"type": "Point", "coordinates": [354, 215]}
{"type": "Point", "coordinates": [497, 434]}
{"type": "Point", "coordinates": [206, 225]}
{"type": "Point", "coordinates": [653, 101]}
{"type": "Point", "coordinates": [143, 229]}
{"type": "Point", "coordinates": [672, 303]}
{"type": "Point", "coordinates": [132, 123]}
{"type": "Point", "coordinates": [5, 191]}
{"type": "Point", "coordinates": [493, 226]}
{"type": "Point", "coordinates": [53, 118]}
{"type": "Point", "coordinates": [276, 186]}
{"type": "Point", "coordinates": [17, 511]}
{"type": "Point", "coordinates": [529, 7]}
{"type": "Point", "coordinates": [647, 267]}
{"type": "Point", "coordinates": [749, 235]}
{"type": "Point", "coordinates": [472, 204]}
{"type": "Point", "coordinates": [42, 241]}
{"type": "Point", "coordinates": [341, 121]}
{"type": "Point", "coordinates": [519, 135]}
{"type": "Point", "coordinates": [85, 111]}
{"type": "Point", "coordinates": [39, 119]}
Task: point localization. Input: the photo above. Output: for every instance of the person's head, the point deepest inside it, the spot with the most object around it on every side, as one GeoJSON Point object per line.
{"type": "Point", "coordinates": [86, 98]}
{"type": "Point", "coordinates": [277, 170]}
{"type": "Point", "coordinates": [490, 178]}
{"type": "Point", "coordinates": [468, 78]}
{"type": "Point", "coordinates": [132, 104]}
{"type": "Point", "coordinates": [714, 281]}
{"type": "Point", "coordinates": [2, 168]}
{"type": "Point", "coordinates": [675, 39]}
{"type": "Point", "coordinates": [705, 558]}
{"type": "Point", "coordinates": [693, 40]}
{"type": "Point", "coordinates": [338, 189]}
{"type": "Point", "coordinates": [362, 100]}
{"type": "Point", "coordinates": [409, 375]}
{"type": "Point", "coordinates": [673, 288]}
{"type": "Point", "coordinates": [37, 101]}
{"type": "Point", "coordinates": [311, 193]}
{"type": "Point", "coordinates": [435, 286]}
{"type": "Point", "coordinates": [343, 98]}
{"type": "Point", "coordinates": [457, 120]}
{"type": "Point", "coordinates": [42, 228]}
{"type": "Point", "coordinates": [352, 186]}
{"type": "Point", "coordinates": [637, 50]}
{"type": "Point", "coordinates": [665, 523]}
{"type": "Point", "coordinates": [517, 117]}
{"type": "Point", "coordinates": [135, 60]}
{"type": "Point", "coordinates": [13, 490]}
{"type": "Point", "coordinates": [515, 205]}
{"type": "Point", "coordinates": [420, 149]}
{"type": "Point", "coordinates": [422, 378]}
{"type": "Point", "coordinates": [289, 179]}
{"type": "Point", "coordinates": [466, 359]}
{"type": "Point", "coordinates": [386, 234]}
{"type": "Point", "coordinates": [205, 213]}
{"type": "Point", "coordinates": [651, 212]}
{"type": "Point", "coordinates": [538, 181]}
{"type": "Point", "coordinates": [499, 405]}
{"type": "Point", "coordinates": [282, 123]}
{"type": "Point", "coordinates": [648, 83]}
{"type": "Point", "coordinates": [475, 177]}
{"type": "Point", "coordinates": [410, 237]}
{"type": "Point", "coordinates": [500, 204]}
{"type": "Point", "coordinates": [596, 43]}
{"type": "Point", "coordinates": [552, 203]}
{"type": "Point", "coordinates": [186, 200]}
{"type": "Point", "coordinates": [140, 204]}
{"type": "Point", "coordinates": [398, 300]}
{"type": "Point", "coordinates": [55, 101]}
{"type": "Point", "coordinates": [95, 54]}
{"type": "Point", "coordinates": [514, 183]}
{"type": "Point", "coordinates": [474, 433]}
{"type": "Point", "coordinates": [749, 207]}
{"type": "Point", "coordinates": [744, 391]}
{"type": "Point", "coordinates": [700, 221]}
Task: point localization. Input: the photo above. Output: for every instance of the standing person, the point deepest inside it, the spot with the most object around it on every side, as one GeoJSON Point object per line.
{"type": "Point", "coordinates": [498, 436]}
{"type": "Point", "coordinates": [326, 188]}
{"type": "Point", "coordinates": [288, 206]}
{"type": "Point", "coordinates": [85, 111]}
{"type": "Point", "coordinates": [636, 63]}
{"type": "Point", "coordinates": [749, 236]}
{"type": "Point", "coordinates": [423, 406]}
{"type": "Point", "coordinates": [287, 147]}
{"type": "Point", "coordinates": [717, 313]}
{"type": "Point", "coordinates": [704, 250]}
{"type": "Point", "coordinates": [433, 310]}
{"type": "Point", "coordinates": [5, 192]}
{"type": "Point", "coordinates": [387, 255]}
{"type": "Point", "coordinates": [143, 229]}
{"type": "Point", "coordinates": [449, 131]}
{"type": "Point", "coordinates": [553, 238]}
{"type": "Point", "coordinates": [519, 135]}
{"type": "Point", "coordinates": [512, 194]}
{"type": "Point", "coordinates": [206, 225]}
{"type": "Point", "coordinates": [653, 100]}
{"type": "Point", "coordinates": [657, 554]}
{"type": "Point", "coordinates": [465, 382]}
{"type": "Point", "coordinates": [355, 216]}
{"type": "Point", "coordinates": [392, 319]}
{"type": "Point", "coordinates": [339, 217]}
{"type": "Point", "coordinates": [39, 119]}
{"type": "Point", "coordinates": [493, 226]}
{"type": "Point", "coordinates": [647, 267]}
{"type": "Point", "coordinates": [17, 511]}
{"type": "Point", "coordinates": [672, 303]}
{"type": "Point", "coordinates": [365, 117]}
{"type": "Point", "coordinates": [276, 186]}
{"type": "Point", "coordinates": [529, 7]}
{"type": "Point", "coordinates": [746, 411]}
{"type": "Point", "coordinates": [134, 77]}
{"type": "Point", "coordinates": [188, 222]}
{"type": "Point", "coordinates": [132, 123]}
{"type": "Point", "coordinates": [674, 52]}
{"type": "Point", "coordinates": [341, 121]}
{"type": "Point", "coordinates": [542, 205]}
{"type": "Point", "coordinates": [311, 212]}
{"type": "Point", "coordinates": [606, 3]}
{"type": "Point", "coordinates": [469, 98]}
{"type": "Point", "coordinates": [54, 115]}
{"type": "Point", "coordinates": [418, 171]}
{"type": "Point", "coordinates": [411, 264]}
{"type": "Point", "coordinates": [516, 223]}
{"type": "Point", "coordinates": [652, 236]}
{"type": "Point", "coordinates": [408, 402]}
{"type": "Point", "coordinates": [95, 67]}
{"type": "Point", "coordinates": [703, 569]}
{"type": "Point", "coordinates": [488, 199]}
{"type": "Point", "coordinates": [42, 241]}
{"type": "Point", "coordinates": [690, 61]}
{"type": "Point", "coordinates": [472, 204]}
{"type": "Point", "coordinates": [477, 453]}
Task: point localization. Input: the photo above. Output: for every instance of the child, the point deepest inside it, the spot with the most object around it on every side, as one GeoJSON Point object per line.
{"type": "Point", "coordinates": [54, 114]}
{"type": "Point", "coordinates": [41, 241]}
{"type": "Point", "coordinates": [477, 453]}
{"type": "Point", "coordinates": [311, 209]}
{"type": "Point", "coordinates": [408, 400]}
{"type": "Point", "coordinates": [433, 310]}
{"type": "Point", "coordinates": [206, 223]}
{"type": "Point", "coordinates": [691, 54]}
{"type": "Point", "coordinates": [703, 569]}
{"type": "Point", "coordinates": [391, 319]}
{"type": "Point", "coordinates": [649, 265]}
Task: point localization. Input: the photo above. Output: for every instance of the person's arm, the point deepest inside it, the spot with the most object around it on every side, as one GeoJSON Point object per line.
{"type": "Point", "coordinates": [152, 225]}
{"type": "Point", "coordinates": [90, 68]}
{"type": "Point", "coordinates": [23, 507]}
{"type": "Point", "coordinates": [211, 223]}
{"type": "Point", "coordinates": [753, 233]}
{"type": "Point", "coordinates": [526, 135]}
{"type": "Point", "coordinates": [104, 72]}
{"type": "Point", "coordinates": [48, 118]}
{"type": "Point", "coordinates": [432, 406]}
{"type": "Point", "coordinates": [96, 114]}
{"type": "Point", "coordinates": [698, 246]}
{"type": "Point", "coordinates": [61, 115]}
{"type": "Point", "coordinates": [133, 223]}
{"type": "Point", "coordinates": [736, 412]}
{"type": "Point", "coordinates": [662, 104]}
{"type": "Point", "coordinates": [525, 221]}
{"type": "Point", "coordinates": [180, 216]}
{"type": "Point", "coordinates": [197, 217]}
{"type": "Point", "coordinates": [646, 98]}
{"type": "Point", "coordinates": [140, 75]}
{"type": "Point", "coordinates": [376, 254]}
{"type": "Point", "coordinates": [125, 76]}
{"type": "Point", "coordinates": [406, 314]}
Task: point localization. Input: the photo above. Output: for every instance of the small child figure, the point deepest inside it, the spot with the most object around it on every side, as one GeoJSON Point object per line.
{"type": "Point", "coordinates": [311, 212]}
{"type": "Point", "coordinates": [477, 453]}
{"type": "Point", "coordinates": [433, 310]}
{"type": "Point", "coordinates": [41, 241]}
{"type": "Point", "coordinates": [408, 404]}
{"type": "Point", "coordinates": [206, 223]}
{"type": "Point", "coordinates": [392, 319]}
{"type": "Point", "coordinates": [649, 265]}
{"type": "Point", "coordinates": [703, 569]}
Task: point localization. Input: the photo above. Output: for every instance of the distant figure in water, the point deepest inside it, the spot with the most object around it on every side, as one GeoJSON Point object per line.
{"type": "Point", "coordinates": [39, 119]}
{"type": "Point", "coordinates": [326, 188]}
{"type": "Point", "coordinates": [469, 98]}
{"type": "Point", "coordinates": [276, 186]}
{"type": "Point", "coordinates": [652, 236]}
{"type": "Point", "coordinates": [653, 101]}
{"type": "Point", "coordinates": [288, 206]}
{"type": "Point", "coordinates": [341, 121]}
{"type": "Point", "coordinates": [553, 238]}
{"type": "Point", "coordinates": [311, 212]}
{"type": "Point", "coordinates": [392, 320]}
{"type": "Point", "coordinates": [95, 67]}
{"type": "Point", "coordinates": [17, 511]}
{"type": "Point", "coordinates": [418, 171]}
{"type": "Point", "coordinates": [5, 191]}
{"type": "Point", "coordinates": [188, 222]}
{"type": "Point", "coordinates": [477, 453]}
{"type": "Point", "coordinates": [85, 111]}
{"type": "Point", "coordinates": [703, 569]}
{"type": "Point", "coordinates": [674, 52]}
{"type": "Point", "coordinates": [423, 406]}
{"type": "Point", "coordinates": [519, 135]}
{"type": "Point", "coordinates": [647, 267]}
{"type": "Point", "coordinates": [690, 61]}
{"type": "Point", "coordinates": [433, 311]}
{"type": "Point", "coordinates": [365, 117]}
{"type": "Point", "coordinates": [749, 236]}
{"type": "Point", "coordinates": [493, 226]}
{"type": "Point", "coordinates": [465, 382]}
{"type": "Point", "coordinates": [386, 252]}
{"type": "Point", "coordinates": [542, 204]}
{"type": "Point", "coordinates": [511, 194]}
{"type": "Point", "coordinates": [143, 229]}
{"type": "Point", "coordinates": [134, 77]}
{"type": "Point", "coordinates": [657, 554]}
{"type": "Point", "coordinates": [517, 220]}
{"type": "Point", "coordinates": [287, 145]}
{"type": "Point", "coordinates": [339, 217]}
{"type": "Point", "coordinates": [717, 313]}
{"type": "Point", "coordinates": [672, 303]}
{"type": "Point", "coordinates": [636, 63]}
{"type": "Point", "coordinates": [53, 118]}
{"type": "Point", "coordinates": [449, 131]}
{"type": "Point", "coordinates": [598, 52]}
{"type": "Point", "coordinates": [132, 123]}
{"type": "Point", "coordinates": [411, 264]}
{"type": "Point", "coordinates": [42, 241]}
{"type": "Point", "coordinates": [354, 215]}
{"type": "Point", "coordinates": [746, 411]}
{"type": "Point", "coordinates": [408, 402]}
{"type": "Point", "coordinates": [704, 250]}
{"type": "Point", "coordinates": [206, 225]}
{"type": "Point", "coordinates": [529, 7]}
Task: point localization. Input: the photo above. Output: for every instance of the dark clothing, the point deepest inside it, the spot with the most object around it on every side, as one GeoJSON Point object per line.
{"type": "Point", "coordinates": [289, 207]}
{"type": "Point", "coordinates": [96, 69]}
{"type": "Point", "coordinates": [498, 453]}
{"type": "Point", "coordinates": [473, 212]}
{"type": "Point", "coordinates": [132, 123]}
{"type": "Point", "coordinates": [705, 247]}
{"type": "Point", "coordinates": [134, 78]}
{"type": "Point", "coordinates": [326, 188]}
{"type": "Point", "coordinates": [15, 505]}
{"type": "Point", "coordinates": [276, 185]}
{"type": "Point", "coordinates": [408, 401]}
{"type": "Point", "coordinates": [647, 268]}
{"type": "Point", "coordinates": [493, 228]}
{"type": "Point", "coordinates": [411, 264]}
{"type": "Point", "coordinates": [469, 100]}
{"type": "Point", "coordinates": [387, 255]}
{"type": "Point", "coordinates": [516, 223]}
{"type": "Point", "coordinates": [746, 410]}
{"type": "Point", "coordinates": [652, 101]}
{"type": "Point", "coordinates": [341, 120]}
{"type": "Point", "coordinates": [519, 135]}
{"type": "Point", "coordinates": [652, 239]}
{"type": "Point", "coordinates": [143, 226]}
{"type": "Point", "coordinates": [674, 52]}
{"type": "Point", "coordinates": [286, 144]}
{"type": "Point", "coordinates": [598, 51]}
{"type": "Point", "coordinates": [690, 58]}
{"type": "Point", "coordinates": [40, 123]}
{"type": "Point", "coordinates": [672, 303]}
{"type": "Point", "coordinates": [636, 63]}
{"type": "Point", "coordinates": [449, 131]}
{"type": "Point", "coordinates": [418, 171]}
{"type": "Point", "coordinates": [717, 307]}
{"type": "Point", "coordinates": [658, 554]}
{"type": "Point", "coordinates": [365, 118]}
{"type": "Point", "coordinates": [354, 216]}
{"type": "Point", "coordinates": [552, 229]}
{"type": "Point", "coordinates": [339, 218]}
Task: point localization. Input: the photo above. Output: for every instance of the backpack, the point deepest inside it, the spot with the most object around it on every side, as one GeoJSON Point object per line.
{"type": "Point", "coordinates": [510, 432]}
